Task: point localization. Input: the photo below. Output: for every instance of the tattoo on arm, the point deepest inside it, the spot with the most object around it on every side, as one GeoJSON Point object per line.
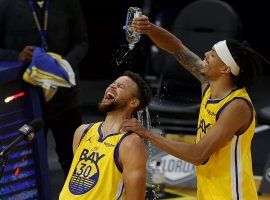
{"type": "Point", "coordinates": [191, 62]}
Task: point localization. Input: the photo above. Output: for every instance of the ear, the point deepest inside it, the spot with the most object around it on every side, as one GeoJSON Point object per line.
{"type": "Point", "coordinates": [134, 103]}
{"type": "Point", "coordinates": [226, 70]}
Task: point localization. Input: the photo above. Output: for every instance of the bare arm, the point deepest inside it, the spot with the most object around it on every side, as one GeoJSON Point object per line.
{"type": "Point", "coordinates": [133, 157]}
{"type": "Point", "coordinates": [170, 43]}
{"type": "Point", "coordinates": [234, 119]}
{"type": "Point", "coordinates": [77, 137]}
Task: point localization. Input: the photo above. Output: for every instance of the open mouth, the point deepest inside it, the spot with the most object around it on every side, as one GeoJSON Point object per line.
{"type": "Point", "coordinates": [205, 63]}
{"type": "Point", "coordinates": [109, 96]}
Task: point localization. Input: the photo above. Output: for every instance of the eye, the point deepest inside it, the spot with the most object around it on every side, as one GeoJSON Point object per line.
{"type": "Point", "coordinates": [122, 86]}
{"type": "Point", "coordinates": [213, 53]}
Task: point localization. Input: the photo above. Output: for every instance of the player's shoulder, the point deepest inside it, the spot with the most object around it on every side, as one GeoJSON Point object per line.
{"type": "Point", "coordinates": [82, 129]}
{"type": "Point", "coordinates": [132, 140]}
{"type": "Point", "coordinates": [239, 105]}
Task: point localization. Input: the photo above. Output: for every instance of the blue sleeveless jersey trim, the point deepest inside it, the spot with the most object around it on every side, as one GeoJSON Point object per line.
{"type": "Point", "coordinates": [227, 103]}
{"type": "Point", "coordinates": [101, 139]}
{"type": "Point", "coordinates": [85, 131]}
{"type": "Point", "coordinates": [116, 152]}
{"type": "Point", "coordinates": [236, 169]}
{"type": "Point", "coordinates": [213, 101]}
{"type": "Point", "coordinates": [205, 89]}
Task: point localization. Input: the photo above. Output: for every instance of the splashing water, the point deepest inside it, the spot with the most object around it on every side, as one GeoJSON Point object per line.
{"type": "Point", "coordinates": [123, 58]}
{"type": "Point", "coordinates": [122, 55]}
{"type": "Point", "coordinates": [131, 46]}
{"type": "Point", "coordinates": [146, 121]}
{"type": "Point", "coordinates": [140, 116]}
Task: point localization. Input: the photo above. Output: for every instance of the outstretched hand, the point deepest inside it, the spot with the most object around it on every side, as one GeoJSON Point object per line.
{"type": "Point", "coordinates": [135, 126]}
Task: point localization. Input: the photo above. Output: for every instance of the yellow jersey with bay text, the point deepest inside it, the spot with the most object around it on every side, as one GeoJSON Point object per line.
{"type": "Point", "coordinates": [227, 174]}
{"type": "Point", "coordinates": [95, 173]}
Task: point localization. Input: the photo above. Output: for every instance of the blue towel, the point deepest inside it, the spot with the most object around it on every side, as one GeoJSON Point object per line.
{"type": "Point", "coordinates": [49, 71]}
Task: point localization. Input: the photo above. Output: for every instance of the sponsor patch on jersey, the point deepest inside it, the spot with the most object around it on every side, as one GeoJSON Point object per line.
{"type": "Point", "coordinates": [108, 144]}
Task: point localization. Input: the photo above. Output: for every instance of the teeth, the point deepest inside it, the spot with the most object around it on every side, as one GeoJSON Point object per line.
{"type": "Point", "coordinates": [205, 62]}
{"type": "Point", "coordinates": [110, 95]}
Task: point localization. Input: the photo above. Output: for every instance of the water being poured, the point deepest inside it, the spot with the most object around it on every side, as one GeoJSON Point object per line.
{"type": "Point", "coordinates": [122, 55]}
{"type": "Point", "coordinates": [122, 59]}
{"type": "Point", "coordinates": [144, 118]}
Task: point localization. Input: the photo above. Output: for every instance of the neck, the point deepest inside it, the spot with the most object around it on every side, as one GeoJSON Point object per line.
{"type": "Point", "coordinates": [113, 121]}
{"type": "Point", "coordinates": [221, 88]}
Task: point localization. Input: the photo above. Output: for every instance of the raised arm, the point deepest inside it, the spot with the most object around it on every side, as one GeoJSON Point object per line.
{"type": "Point", "coordinates": [133, 157]}
{"type": "Point", "coordinates": [170, 43]}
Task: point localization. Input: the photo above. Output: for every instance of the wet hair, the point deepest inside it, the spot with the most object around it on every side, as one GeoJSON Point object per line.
{"type": "Point", "coordinates": [144, 93]}
{"type": "Point", "coordinates": [249, 61]}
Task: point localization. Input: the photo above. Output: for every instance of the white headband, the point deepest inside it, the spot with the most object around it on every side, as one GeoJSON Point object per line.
{"type": "Point", "coordinates": [225, 55]}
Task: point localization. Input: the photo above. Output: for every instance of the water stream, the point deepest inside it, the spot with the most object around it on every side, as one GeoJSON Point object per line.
{"type": "Point", "coordinates": [144, 117]}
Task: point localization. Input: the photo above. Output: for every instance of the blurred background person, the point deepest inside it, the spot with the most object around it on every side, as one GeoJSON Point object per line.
{"type": "Point", "coordinates": [59, 27]}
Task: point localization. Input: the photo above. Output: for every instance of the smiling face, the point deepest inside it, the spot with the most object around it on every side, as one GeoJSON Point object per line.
{"type": "Point", "coordinates": [213, 65]}
{"type": "Point", "coordinates": [119, 95]}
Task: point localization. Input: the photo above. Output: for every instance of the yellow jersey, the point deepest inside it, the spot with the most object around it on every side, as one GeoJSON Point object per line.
{"type": "Point", "coordinates": [227, 174]}
{"type": "Point", "coordinates": [95, 173]}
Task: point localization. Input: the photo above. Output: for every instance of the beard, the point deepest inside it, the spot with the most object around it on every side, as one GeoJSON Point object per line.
{"type": "Point", "coordinates": [106, 107]}
{"type": "Point", "coordinates": [112, 106]}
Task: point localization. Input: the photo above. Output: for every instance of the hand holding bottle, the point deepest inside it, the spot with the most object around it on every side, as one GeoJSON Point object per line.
{"type": "Point", "coordinates": [141, 24]}
{"type": "Point", "coordinates": [131, 35]}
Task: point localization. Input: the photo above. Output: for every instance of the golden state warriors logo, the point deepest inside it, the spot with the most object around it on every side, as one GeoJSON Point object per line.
{"type": "Point", "coordinates": [86, 173]}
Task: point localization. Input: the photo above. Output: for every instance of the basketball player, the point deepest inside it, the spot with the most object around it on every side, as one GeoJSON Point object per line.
{"type": "Point", "coordinates": [227, 118]}
{"type": "Point", "coordinates": [107, 164]}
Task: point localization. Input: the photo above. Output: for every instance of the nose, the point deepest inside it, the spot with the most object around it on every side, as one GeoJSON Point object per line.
{"type": "Point", "coordinates": [206, 53]}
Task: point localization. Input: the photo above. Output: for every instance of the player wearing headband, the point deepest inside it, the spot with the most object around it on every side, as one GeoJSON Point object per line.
{"type": "Point", "coordinates": [227, 118]}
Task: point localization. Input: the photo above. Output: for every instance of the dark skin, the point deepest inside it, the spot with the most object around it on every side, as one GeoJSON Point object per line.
{"type": "Point", "coordinates": [26, 54]}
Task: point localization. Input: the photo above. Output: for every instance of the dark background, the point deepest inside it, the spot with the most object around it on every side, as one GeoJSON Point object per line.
{"type": "Point", "coordinates": [107, 41]}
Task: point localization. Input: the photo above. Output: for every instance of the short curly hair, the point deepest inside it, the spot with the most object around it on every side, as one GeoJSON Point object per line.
{"type": "Point", "coordinates": [144, 92]}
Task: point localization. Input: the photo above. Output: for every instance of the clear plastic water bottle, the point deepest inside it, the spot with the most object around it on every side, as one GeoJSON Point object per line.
{"type": "Point", "coordinates": [158, 178]}
{"type": "Point", "coordinates": [132, 36]}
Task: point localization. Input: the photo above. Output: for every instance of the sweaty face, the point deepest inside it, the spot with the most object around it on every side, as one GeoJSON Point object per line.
{"type": "Point", "coordinates": [118, 95]}
{"type": "Point", "coordinates": [212, 64]}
